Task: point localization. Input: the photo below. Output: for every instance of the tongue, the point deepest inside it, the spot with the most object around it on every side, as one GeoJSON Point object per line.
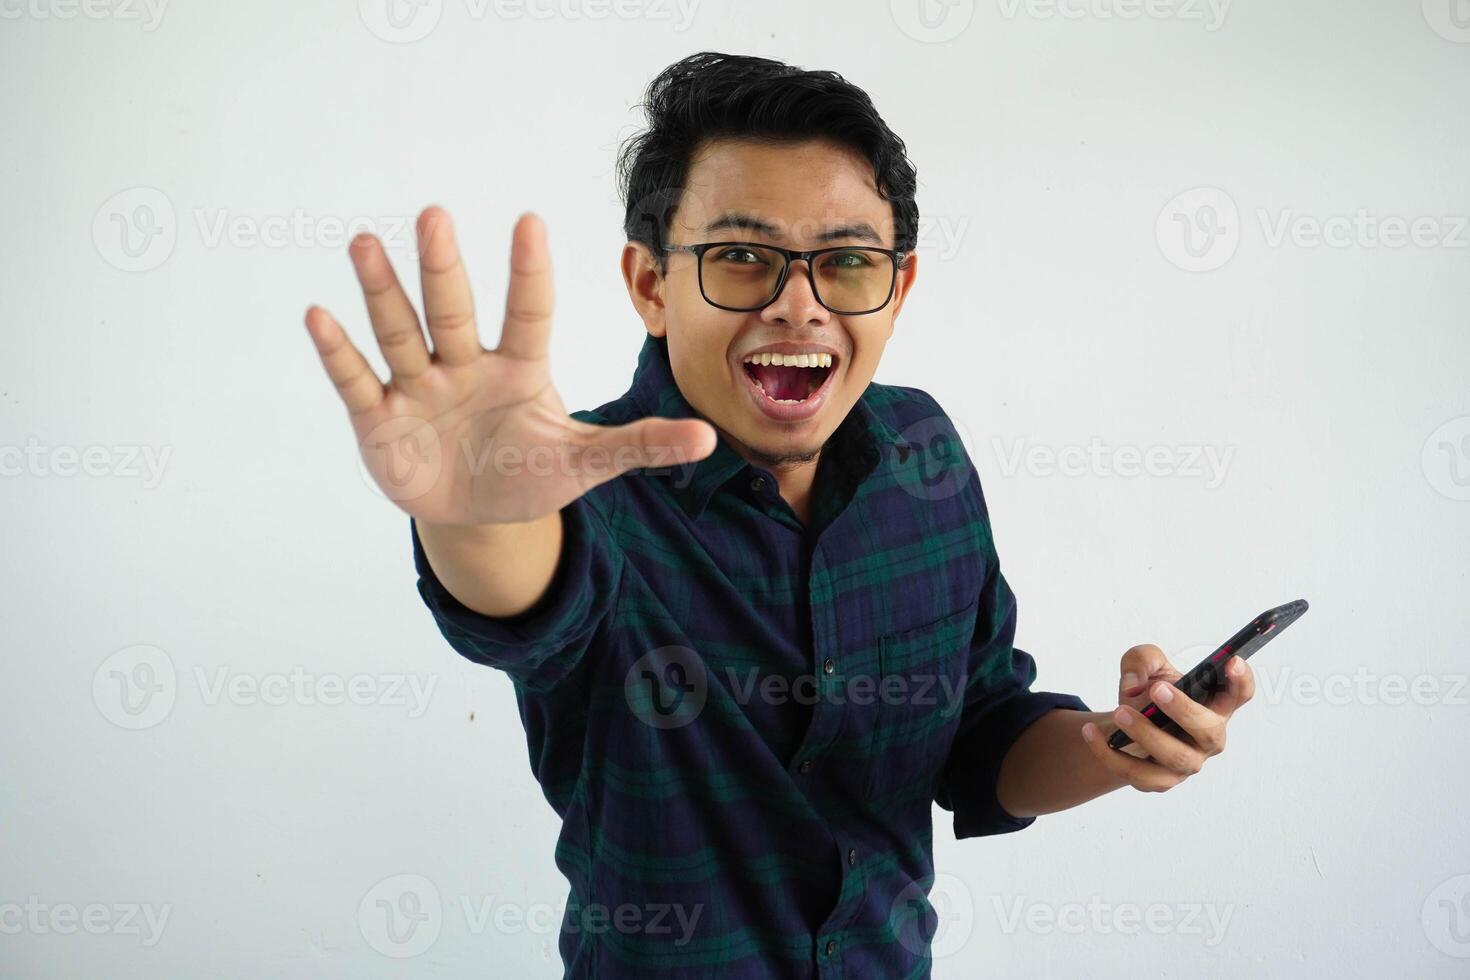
{"type": "Point", "coordinates": [782, 382]}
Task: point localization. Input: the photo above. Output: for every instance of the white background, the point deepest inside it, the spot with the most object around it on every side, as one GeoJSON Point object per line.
{"type": "Point", "coordinates": [1057, 305]}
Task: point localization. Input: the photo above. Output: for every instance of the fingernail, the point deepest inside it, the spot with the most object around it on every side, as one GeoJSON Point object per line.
{"type": "Point", "coordinates": [1163, 694]}
{"type": "Point", "coordinates": [1089, 732]}
{"type": "Point", "coordinates": [1122, 717]}
{"type": "Point", "coordinates": [1130, 681]}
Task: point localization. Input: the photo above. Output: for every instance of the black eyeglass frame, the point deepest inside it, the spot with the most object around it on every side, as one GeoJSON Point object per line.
{"type": "Point", "coordinates": [896, 257]}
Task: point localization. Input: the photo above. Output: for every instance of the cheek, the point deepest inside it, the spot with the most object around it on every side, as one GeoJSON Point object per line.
{"type": "Point", "coordinates": [684, 299]}
{"type": "Point", "coordinates": [701, 335]}
{"type": "Point", "coordinates": [868, 345]}
{"type": "Point", "coordinates": [858, 370]}
{"type": "Point", "coordinates": [699, 348]}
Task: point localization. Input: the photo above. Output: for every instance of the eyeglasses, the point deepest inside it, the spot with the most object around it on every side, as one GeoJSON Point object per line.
{"type": "Point", "coordinates": [745, 276]}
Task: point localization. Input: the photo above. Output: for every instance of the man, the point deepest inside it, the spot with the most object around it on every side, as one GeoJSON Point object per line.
{"type": "Point", "coordinates": [752, 610]}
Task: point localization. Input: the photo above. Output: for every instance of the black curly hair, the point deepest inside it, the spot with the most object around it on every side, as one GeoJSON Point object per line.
{"type": "Point", "coordinates": [710, 95]}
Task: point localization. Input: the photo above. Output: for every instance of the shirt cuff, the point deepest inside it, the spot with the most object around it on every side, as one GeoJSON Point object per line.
{"type": "Point", "coordinates": [975, 762]}
{"type": "Point", "coordinates": [541, 644]}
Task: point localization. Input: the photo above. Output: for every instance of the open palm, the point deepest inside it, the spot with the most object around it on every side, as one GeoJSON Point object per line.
{"type": "Point", "coordinates": [465, 435]}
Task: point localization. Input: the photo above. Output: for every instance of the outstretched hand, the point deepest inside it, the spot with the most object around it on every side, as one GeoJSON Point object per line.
{"type": "Point", "coordinates": [465, 435]}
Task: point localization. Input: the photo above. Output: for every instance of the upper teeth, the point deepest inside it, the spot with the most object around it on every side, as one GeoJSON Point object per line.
{"type": "Point", "coordinates": [790, 360]}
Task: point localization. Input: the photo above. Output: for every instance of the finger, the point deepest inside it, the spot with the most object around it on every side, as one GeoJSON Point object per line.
{"type": "Point", "coordinates": [449, 308]}
{"type": "Point", "coordinates": [1167, 750]}
{"type": "Point", "coordinates": [1240, 688]}
{"type": "Point", "coordinates": [360, 388]}
{"type": "Point", "coordinates": [1204, 725]}
{"type": "Point", "coordinates": [1140, 665]}
{"type": "Point", "coordinates": [611, 450]}
{"type": "Point", "coordinates": [529, 300]}
{"type": "Point", "coordinates": [394, 322]}
{"type": "Point", "coordinates": [1150, 777]}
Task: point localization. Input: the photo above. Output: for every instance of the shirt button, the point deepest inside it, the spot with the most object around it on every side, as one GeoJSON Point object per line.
{"type": "Point", "coordinates": [852, 855]}
{"type": "Point", "coordinates": [806, 765]}
{"type": "Point", "coordinates": [829, 665]}
{"type": "Point", "coordinates": [758, 484]}
{"type": "Point", "coordinates": [831, 946]}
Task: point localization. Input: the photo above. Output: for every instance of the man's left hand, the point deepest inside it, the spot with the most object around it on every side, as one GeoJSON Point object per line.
{"type": "Point", "coordinates": [1156, 761]}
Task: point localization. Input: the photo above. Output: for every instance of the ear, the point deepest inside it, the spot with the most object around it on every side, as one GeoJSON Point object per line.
{"type": "Point", "coordinates": [907, 273]}
{"type": "Point", "coordinates": [645, 286]}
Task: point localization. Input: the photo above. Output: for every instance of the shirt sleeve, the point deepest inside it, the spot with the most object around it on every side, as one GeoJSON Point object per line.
{"type": "Point", "coordinates": [543, 644]}
{"type": "Point", "coordinates": [999, 705]}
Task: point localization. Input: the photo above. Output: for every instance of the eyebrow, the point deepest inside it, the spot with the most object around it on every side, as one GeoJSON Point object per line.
{"type": "Point", "coordinates": [747, 222]}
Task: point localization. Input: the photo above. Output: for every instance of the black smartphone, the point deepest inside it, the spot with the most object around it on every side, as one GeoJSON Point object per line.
{"type": "Point", "coordinates": [1208, 676]}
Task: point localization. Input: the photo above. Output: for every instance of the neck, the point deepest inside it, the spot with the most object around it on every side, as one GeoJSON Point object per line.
{"type": "Point", "coordinates": [794, 472]}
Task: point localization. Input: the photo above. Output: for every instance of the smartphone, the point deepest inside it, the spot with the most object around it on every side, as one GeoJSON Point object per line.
{"type": "Point", "coordinates": [1208, 676]}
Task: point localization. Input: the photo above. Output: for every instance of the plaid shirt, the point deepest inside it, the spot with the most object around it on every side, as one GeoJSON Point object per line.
{"type": "Point", "coordinates": [743, 722]}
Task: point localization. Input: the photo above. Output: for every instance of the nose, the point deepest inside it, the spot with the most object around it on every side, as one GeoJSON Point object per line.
{"type": "Point", "coordinates": [796, 304]}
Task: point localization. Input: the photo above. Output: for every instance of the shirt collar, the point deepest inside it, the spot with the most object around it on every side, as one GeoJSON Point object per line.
{"type": "Point", "coordinates": [856, 446]}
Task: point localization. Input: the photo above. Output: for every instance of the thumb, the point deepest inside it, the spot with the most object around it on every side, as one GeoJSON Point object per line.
{"type": "Point", "coordinates": [655, 443]}
{"type": "Point", "coordinates": [1141, 666]}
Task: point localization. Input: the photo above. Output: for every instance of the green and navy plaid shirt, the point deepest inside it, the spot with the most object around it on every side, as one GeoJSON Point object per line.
{"type": "Point", "coordinates": [744, 722]}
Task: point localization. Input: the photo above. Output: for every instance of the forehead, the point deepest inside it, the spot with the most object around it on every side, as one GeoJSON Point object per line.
{"type": "Point", "coordinates": [799, 189]}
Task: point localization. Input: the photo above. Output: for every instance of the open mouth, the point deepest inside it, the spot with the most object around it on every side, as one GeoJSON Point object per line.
{"type": "Point", "coordinates": [788, 379]}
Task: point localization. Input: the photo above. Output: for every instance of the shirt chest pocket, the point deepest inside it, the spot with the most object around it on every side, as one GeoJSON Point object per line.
{"type": "Point", "coordinates": [921, 674]}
